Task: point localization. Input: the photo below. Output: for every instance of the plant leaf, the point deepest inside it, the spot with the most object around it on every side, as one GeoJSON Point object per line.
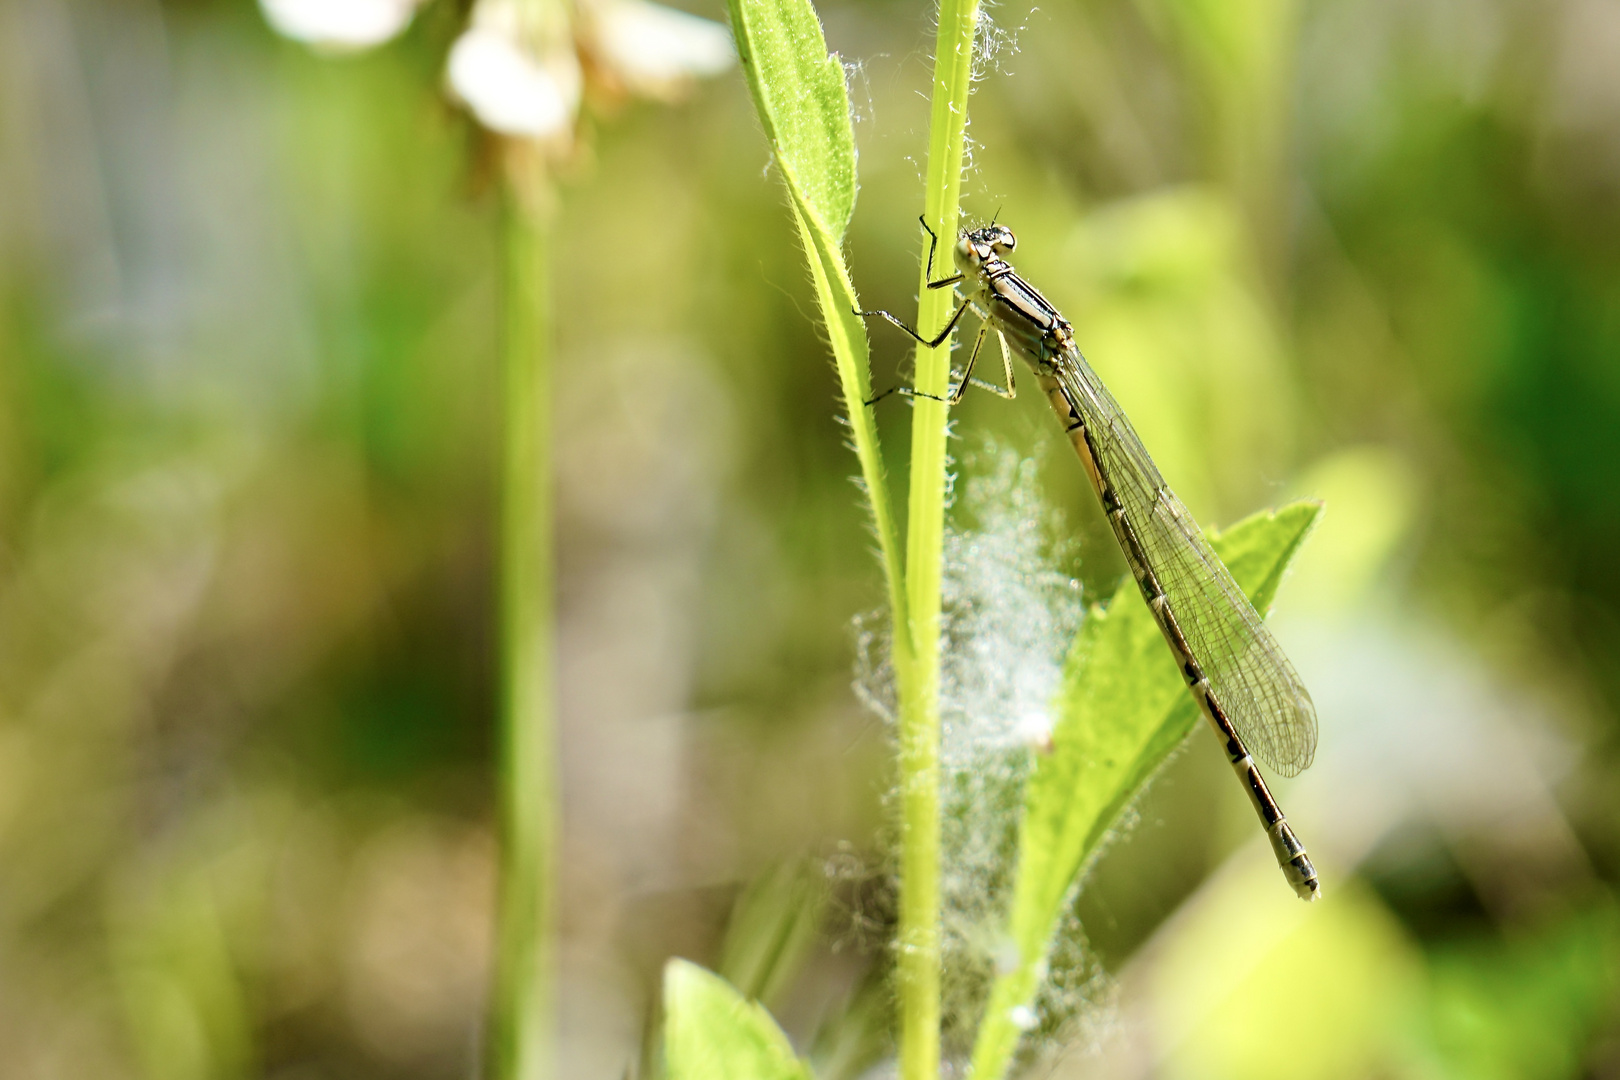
{"type": "Point", "coordinates": [1121, 710]}
{"type": "Point", "coordinates": [803, 104]}
{"type": "Point", "coordinates": [711, 1032]}
{"type": "Point", "coordinates": [799, 92]}
{"type": "Point", "coordinates": [772, 928]}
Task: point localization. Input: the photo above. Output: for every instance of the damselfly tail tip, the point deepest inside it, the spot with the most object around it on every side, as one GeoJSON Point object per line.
{"type": "Point", "coordinates": [1302, 876]}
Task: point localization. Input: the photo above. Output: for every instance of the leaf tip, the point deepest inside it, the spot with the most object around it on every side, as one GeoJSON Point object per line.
{"type": "Point", "coordinates": [679, 976]}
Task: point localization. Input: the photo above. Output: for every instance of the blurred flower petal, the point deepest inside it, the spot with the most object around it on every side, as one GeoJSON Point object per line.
{"type": "Point", "coordinates": [657, 50]}
{"type": "Point", "coordinates": [339, 24]}
{"type": "Point", "coordinates": [508, 89]}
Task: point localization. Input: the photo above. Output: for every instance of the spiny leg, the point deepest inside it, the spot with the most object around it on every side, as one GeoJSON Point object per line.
{"type": "Point", "coordinates": [1011, 390]}
{"type": "Point", "coordinates": [943, 334]}
{"type": "Point", "coordinates": [967, 374]}
{"type": "Point", "coordinates": [938, 339]}
{"type": "Point", "coordinates": [933, 242]}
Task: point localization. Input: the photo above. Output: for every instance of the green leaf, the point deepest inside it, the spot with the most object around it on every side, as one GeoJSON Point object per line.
{"type": "Point", "coordinates": [711, 1032]}
{"type": "Point", "coordinates": [772, 928]}
{"type": "Point", "coordinates": [1122, 709]}
{"type": "Point", "coordinates": [799, 91]}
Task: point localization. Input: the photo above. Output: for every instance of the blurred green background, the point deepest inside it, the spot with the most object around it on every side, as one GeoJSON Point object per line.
{"type": "Point", "coordinates": [1365, 251]}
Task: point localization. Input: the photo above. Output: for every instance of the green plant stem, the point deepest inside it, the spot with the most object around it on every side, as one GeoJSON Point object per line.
{"type": "Point", "coordinates": [521, 1025]}
{"type": "Point", "coordinates": [919, 953]}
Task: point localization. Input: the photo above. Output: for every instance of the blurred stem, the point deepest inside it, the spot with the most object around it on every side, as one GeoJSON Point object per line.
{"type": "Point", "coordinates": [521, 1021]}
{"type": "Point", "coordinates": [919, 956]}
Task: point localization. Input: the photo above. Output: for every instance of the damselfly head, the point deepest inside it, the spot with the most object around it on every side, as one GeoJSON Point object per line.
{"type": "Point", "coordinates": [979, 246]}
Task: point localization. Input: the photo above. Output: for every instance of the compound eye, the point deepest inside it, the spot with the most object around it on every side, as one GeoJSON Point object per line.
{"type": "Point", "coordinates": [1005, 240]}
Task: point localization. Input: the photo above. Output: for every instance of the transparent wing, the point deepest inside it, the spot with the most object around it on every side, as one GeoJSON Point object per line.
{"type": "Point", "coordinates": [1259, 689]}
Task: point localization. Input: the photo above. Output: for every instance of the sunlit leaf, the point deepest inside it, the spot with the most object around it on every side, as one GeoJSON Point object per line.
{"type": "Point", "coordinates": [803, 104]}
{"type": "Point", "coordinates": [714, 1033]}
{"type": "Point", "coordinates": [799, 91]}
{"type": "Point", "coordinates": [1121, 710]}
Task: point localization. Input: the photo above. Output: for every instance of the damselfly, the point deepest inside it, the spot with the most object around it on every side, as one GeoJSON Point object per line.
{"type": "Point", "coordinates": [1244, 685]}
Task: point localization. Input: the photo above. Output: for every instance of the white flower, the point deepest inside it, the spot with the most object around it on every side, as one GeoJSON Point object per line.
{"type": "Point", "coordinates": [520, 71]}
{"type": "Point", "coordinates": [655, 50]}
{"type": "Point", "coordinates": [509, 89]}
{"type": "Point", "coordinates": [341, 25]}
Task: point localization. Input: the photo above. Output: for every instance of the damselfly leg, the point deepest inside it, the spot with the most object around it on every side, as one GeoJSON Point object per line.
{"type": "Point", "coordinates": [1008, 392]}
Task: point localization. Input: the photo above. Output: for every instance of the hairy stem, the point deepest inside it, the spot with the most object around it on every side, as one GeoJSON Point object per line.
{"type": "Point", "coordinates": [919, 946]}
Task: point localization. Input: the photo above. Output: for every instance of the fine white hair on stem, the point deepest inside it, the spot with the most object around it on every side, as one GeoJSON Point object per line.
{"type": "Point", "coordinates": [1009, 614]}
{"type": "Point", "coordinates": [994, 44]}
{"type": "Point", "coordinates": [874, 672]}
{"type": "Point", "coordinates": [857, 78]}
{"type": "Point", "coordinates": [1010, 611]}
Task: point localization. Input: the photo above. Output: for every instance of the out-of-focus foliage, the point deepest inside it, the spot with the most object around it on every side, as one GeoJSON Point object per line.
{"type": "Point", "coordinates": [714, 1033]}
{"type": "Point", "coordinates": [771, 929]}
{"type": "Point", "coordinates": [1361, 251]}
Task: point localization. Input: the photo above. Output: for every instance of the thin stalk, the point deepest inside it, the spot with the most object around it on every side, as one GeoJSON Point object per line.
{"type": "Point", "coordinates": [521, 1016]}
{"type": "Point", "coordinates": [919, 954]}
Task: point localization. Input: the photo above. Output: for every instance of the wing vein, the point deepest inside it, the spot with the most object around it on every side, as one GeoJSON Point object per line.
{"type": "Point", "coordinates": [1253, 680]}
